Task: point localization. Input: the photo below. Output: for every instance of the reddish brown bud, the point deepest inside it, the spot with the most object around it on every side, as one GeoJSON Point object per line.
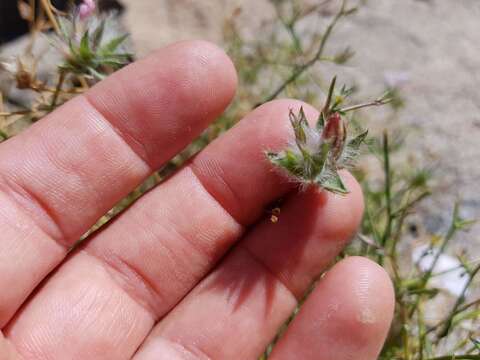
{"type": "Point", "coordinates": [24, 79]}
{"type": "Point", "coordinates": [335, 133]}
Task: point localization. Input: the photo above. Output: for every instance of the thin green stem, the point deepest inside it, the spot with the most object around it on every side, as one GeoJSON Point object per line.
{"type": "Point", "coordinates": [321, 48]}
{"type": "Point", "coordinates": [377, 102]}
{"type": "Point", "coordinates": [457, 357]}
{"type": "Point", "coordinates": [290, 27]}
{"type": "Point", "coordinates": [428, 274]}
{"type": "Point", "coordinates": [469, 305]}
{"type": "Point", "coordinates": [451, 231]}
{"type": "Point", "coordinates": [421, 333]}
{"type": "Point", "coordinates": [58, 89]}
{"type": "Point", "coordinates": [446, 324]}
{"type": "Point", "coordinates": [411, 203]}
{"type": "Point", "coordinates": [388, 192]}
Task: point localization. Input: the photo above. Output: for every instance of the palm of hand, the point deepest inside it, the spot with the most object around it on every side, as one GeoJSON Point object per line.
{"type": "Point", "coordinates": [177, 276]}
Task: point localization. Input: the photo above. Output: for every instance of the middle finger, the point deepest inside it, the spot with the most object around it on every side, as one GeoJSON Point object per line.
{"type": "Point", "coordinates": [105, 299]}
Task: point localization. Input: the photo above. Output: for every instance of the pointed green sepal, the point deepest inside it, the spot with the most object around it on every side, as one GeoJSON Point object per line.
{"type": "Point", "coordinates": [333, 182]}
{"type": "Point", "coordinates": [285, 159]}
{"type": "Point", "coordinates": [321, 122]}
{"type": "Point", "coordinates": [84, 49]}
{"type": "Point", "coordinates": [351, 151]}
{"type": "Point", "coordinates": [299, 124]}
{"type": "Point", "coordinates": [98, 35]}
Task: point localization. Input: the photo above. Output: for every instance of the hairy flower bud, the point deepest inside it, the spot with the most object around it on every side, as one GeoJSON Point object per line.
{"type": "Point", "coordinates": [335, 132]}
{"type": "Point", "coordinates": [318, 152]}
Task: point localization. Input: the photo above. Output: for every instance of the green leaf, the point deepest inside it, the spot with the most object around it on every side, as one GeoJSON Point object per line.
{"type": "Point", "coordinates": [357, 141]}
{"type": "Point", "coordinates": [3, 136]}
{"type": "Point", "coordinates": [299, 124]}
{"type": "Point", "coordinates": [307, 167]}
{"type": "Point", "coordinates": [114, 64]}
{"type": "Point", "coordinates": [460, 223]}
{"type": "Point", "coordinates": [84, 50]}
{"type": "Point", "coordinates": [98, 35]}
{"type": "Point", "coordinates": [351, 150]}
{"type": "Point", "coordinates": [117, 57]}
{"type": "Point", "coordinates": [343, 56]}
{"type": "Point", "coordinates": [466, 315]}
{"type": "Point", "coordinates": [331, 181]}
{"type": "Point", "coordinates": [286, 160]}
{"type": "Point", "coordinates": [346, 91]}
{"type": "Point", "coordinates": [113, 45]}
{"type": "Point", "coordinates": [73, 51]}
{"type": "Point", "coordinates": [326, 108]}
{"type": "Point", "coordinates": [115, 61]}
{"type": "Point", "coordinates": [96, 74]}
{"type": "Point", "coordinates": [321, 157]}
{"type": "Point", "coordinates": [321, 122]}
{"type": "Point", "coordinates": [476, 343]}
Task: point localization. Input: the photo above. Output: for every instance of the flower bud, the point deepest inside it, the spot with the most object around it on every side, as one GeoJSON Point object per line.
{"type": "Point", "coordinates": [23, 70]}
{"type": "Point", "coordinates": [86, 9]}
{"type": "Point", "coordinates": [335, 133]}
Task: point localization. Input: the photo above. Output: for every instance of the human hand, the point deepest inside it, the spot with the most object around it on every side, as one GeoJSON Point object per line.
{"type": "Point", "coordinates": [190, 271]}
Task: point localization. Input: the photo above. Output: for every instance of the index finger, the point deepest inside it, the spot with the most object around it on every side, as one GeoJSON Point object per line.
{"type": "Point", "coordinates": [60, 176]}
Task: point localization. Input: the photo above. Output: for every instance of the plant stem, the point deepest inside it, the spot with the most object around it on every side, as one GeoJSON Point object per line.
{"type": "Point", "coordinates": [457, 357]}
{"type": "Point", "coordinates": [1, 105]}
{"type": "Point", "coordinates": [451, 231]}
{"type": "Point", "coordinates": [58, 89]}
{"type": "Point", "coordinates": [411, 203]}
{"type": "Point", "coordinates": [377, 102]}
{"type": "Point", "coordinates": [388, 193]}
{"type": "Point", "coordinates": [447, 323]}
{"type": "Point", "coordinates": [469, 305]}
{"type": "Point", "coordinates": [3, 135]}
{"type": "Point", "coordinates": [326, 108]}
{"type": "Point", "coordinates": [405, 335]}
{"type": "Point", "coordinates": [428, 274]}
{"type": "Point", "coordinates": [301, 69]}
{"type": "Point", "coordinates": [51, 17]}
{"type": "Point", "coordinates": [290, 27]}
{"type": "Point", "coordinates": [21, 112]}
{"type": "Point", "coordinates": [459, 302]}
{"type": "Point", "coordinates": [421, 332]}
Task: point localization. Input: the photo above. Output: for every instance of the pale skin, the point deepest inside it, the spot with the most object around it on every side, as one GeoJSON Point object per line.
{"type": "Point", "coordinates": [195, 269]}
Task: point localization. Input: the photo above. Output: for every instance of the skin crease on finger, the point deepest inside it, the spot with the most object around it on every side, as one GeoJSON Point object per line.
{"type": "Point", "coordinates": [107, 316]}
{"type": "Point", "coordinates": [83, 158]}
{"type": "Point", "coordinates": [58, 177]}
{"type": "Point", "coordinates": [254, 290]}
{"type": "Point", "coordinates": [83, 310]}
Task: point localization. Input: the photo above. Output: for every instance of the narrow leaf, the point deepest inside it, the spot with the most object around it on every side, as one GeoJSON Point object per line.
{"type": "Point", "coordinates": [321, 122]}
{"type": "Point", "coordinates": [84, 50]}
{"type": "Point", "coordinates": [98, 35]}
{"type": "Point", "coordinates": [331, 181]}
{"type": "Point", "coordinates": [113, 45]}
{"type": "Point", "coordinates": [326, 108]}
{"type": "Point", "coordinates": [357, 141]}
{"type": "Point", "coordinates": [299, 124]}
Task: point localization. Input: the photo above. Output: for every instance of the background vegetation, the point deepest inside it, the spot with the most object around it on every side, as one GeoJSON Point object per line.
{"type": "Point", "coordinates": [279, 63]}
